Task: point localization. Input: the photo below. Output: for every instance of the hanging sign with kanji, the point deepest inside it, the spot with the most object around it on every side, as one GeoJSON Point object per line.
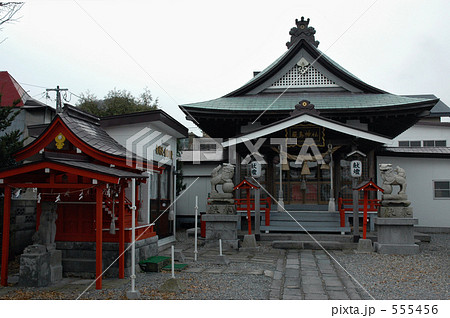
{"type": "Point", "coordinates": [356, 168]}
{"type": "Point", "coordinates": [255, 169]}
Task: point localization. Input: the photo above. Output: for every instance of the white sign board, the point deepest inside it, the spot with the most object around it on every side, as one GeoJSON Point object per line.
{"type": "Point", "coordinates": [255, 169]}
{"type": "Point", "coordinates": [356, 168]}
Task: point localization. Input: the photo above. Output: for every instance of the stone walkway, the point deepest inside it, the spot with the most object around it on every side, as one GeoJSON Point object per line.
{"type": "Point", "coordinates": [312, 275]}
{"type": "Point", "coordinates": [299, 274]}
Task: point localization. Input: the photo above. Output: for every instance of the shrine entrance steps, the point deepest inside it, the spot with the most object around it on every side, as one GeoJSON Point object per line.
{"type": "Point", "coordinates": [302, 221]}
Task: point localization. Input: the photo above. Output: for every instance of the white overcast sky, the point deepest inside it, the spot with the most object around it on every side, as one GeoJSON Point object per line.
{"type": "Point", "coordinates": [190, 51]}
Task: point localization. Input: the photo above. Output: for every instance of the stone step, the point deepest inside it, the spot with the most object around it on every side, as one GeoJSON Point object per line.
{"type": "Point", "coordinates": [305, 237]}
{"type": "Point", "coordinates": [328, 245]}
{"type": "Point", "coordinates": [77, 265]}
{"type": "Point", "coordinates": [297, 228]}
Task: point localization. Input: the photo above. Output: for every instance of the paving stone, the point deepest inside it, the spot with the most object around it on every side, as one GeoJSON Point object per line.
{"type": "Point", "coordinates": [316, 297]}
{"type": "Point", "coordinates": [292, 291]}
{"type": "Point", "coordinates": [309, 272]}
{"type": "Point", "coordinates": [338, 295]}
{"type": "Point", "coordinates": [291, 272]}
{"type": "Point", "coordinates": [332, 282]}
{"type": "Point", "coordinates": [336, 288]}
{"type": "Point", "coordinates": [280, 265]}
{"type": "Point", "coordinates": [313, 289]}
{"type": "Point", "coordinates": [292, 297]}
{"type": "Point", "coordinates": [311, 280]}
{"type": "Point", "coordinates": [293, 266]}
{"type": "Point", "coordinates": [292, 261]}
{"type": "Point", "coordinates": [276, 283]}
{"type": "Point", "coordinates": [277, 275]}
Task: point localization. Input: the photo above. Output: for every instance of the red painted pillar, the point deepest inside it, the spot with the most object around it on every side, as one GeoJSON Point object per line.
{"type": "Point", "coordinates": [122, 232]}
{"type": "Point", "coordinates": [98, 237]}
{"type": "Point", "coordinates": [366, 192]}
{"type": "Point", "coordinates": [5, 240]}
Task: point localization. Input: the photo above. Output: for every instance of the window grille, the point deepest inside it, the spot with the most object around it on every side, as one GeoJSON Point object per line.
{"type": "Point", "coordinates": [441, 189]}
{"type": "Point", "coordinates": [435, 143]}
{"type": "Point", "coordinates": [310, 78]}
{"type": "Point", "coordinates": [410, 143]}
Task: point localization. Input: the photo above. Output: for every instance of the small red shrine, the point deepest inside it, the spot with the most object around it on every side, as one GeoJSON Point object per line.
{"type": "Point", "coordinates": [77, 165]}
{"type": "Point", "coordinates": [366, 187]}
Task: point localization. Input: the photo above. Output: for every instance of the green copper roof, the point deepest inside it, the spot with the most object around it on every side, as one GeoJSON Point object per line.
{"type": "Point", "coordinates": [274, 102]}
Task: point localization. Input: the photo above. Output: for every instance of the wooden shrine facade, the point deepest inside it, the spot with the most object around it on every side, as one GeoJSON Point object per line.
{"type": "Point", "coordinates": [75, 167]}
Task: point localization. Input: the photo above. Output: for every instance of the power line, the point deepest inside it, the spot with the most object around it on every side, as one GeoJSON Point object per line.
{"type": "Point", "coordinates": [33, 85]}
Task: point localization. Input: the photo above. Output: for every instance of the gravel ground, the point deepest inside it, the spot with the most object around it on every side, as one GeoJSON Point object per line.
{"type": "Point", "coordinates": [422, 276]}
{"type": "Point", "coordinates": [387, 277]}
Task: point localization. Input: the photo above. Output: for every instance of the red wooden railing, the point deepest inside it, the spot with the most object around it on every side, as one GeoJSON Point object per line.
{"type": "Point", "coordinates": [265, 204]}
{"type": "Point", "coordinates": [347, 205]}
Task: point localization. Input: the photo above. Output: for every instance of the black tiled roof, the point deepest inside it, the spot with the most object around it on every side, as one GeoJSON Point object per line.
{"type": "Point", "coordinates": [87, 128]}
{"type": "Point", "coordinates": [99, 168]}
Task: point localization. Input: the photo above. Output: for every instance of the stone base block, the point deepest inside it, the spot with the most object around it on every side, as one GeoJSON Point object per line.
{"type": "Point", "coordinates": [401, 249]}
{"type": "Point", "coordinates": [133, 295]}
{"type": "Point", "coordinates": [364, 246]}
{"type": "Point", "coordinates": [56, 273]}
{"type": "Point", "coordinates": [222, 260]}
{"type": "Point", "coordinates": [221, 226]}
{"type": "Point", "coordinates": [396, 236]}
{"type": "Point", "coordinates": [34, 270]}
{"type": "Point", "coordinates": [395, 212]}
{"type": "Point", "coordinates": [227, 209]}
{"type": "Point", "coordinates": [249, 243]}
{"type": "Point", "coordinates": [179, 256]}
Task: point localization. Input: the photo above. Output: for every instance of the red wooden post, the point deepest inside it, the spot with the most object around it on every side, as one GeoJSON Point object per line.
{"type": "Point", "coordinates": [341, 211]}
{"type": "Point", "coordinates": [5, 240]}
{"type": "Point", "coordinates": [268, 212]}
{"type": "Point", "coordinates": [366, 193]}
{"type": "Point", "coordinates": [98, 237]}
{"type": "Point", "coordinates": [122, 232]}
{"type": "Point", "coordinates": [249, 215]}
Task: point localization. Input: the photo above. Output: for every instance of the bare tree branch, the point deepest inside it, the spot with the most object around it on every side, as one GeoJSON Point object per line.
{"type": "Point", "coordinates": [8, 11]}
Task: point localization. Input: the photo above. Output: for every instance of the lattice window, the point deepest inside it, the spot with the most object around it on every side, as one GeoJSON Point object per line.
{"type": "Point", "coordinates": [310, 78]}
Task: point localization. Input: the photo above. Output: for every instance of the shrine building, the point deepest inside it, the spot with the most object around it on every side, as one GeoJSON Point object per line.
{"type": "Point", "coordinates": [319, 115]}
{"type": "Point", "coordinates": [88, 181]}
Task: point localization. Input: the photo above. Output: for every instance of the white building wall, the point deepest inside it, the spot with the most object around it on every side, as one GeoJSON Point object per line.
{"type": "Point", "coordinates": [424, 132]}
{"type": "Point", "coordinates": [125, 133]}
{"type": "Point", "coordinates": [420, 174]}
{"type": "Point", "coordinates": [200, 187]}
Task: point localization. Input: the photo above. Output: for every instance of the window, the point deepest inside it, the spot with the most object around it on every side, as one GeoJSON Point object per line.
{"type": "Point", "coordinates": [435, 143]}
{"type": "Point", "coordinates": [426, 143]}
{"type": "Point", "coordinates": [410, 143]}
{"type": "Point", "coordinates": [441, 189]}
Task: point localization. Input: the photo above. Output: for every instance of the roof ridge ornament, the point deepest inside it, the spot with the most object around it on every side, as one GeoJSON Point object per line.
{"type": "Point", "coordinates": [304, 106]}
{"type": "Point", "coordinates": [302, 31]}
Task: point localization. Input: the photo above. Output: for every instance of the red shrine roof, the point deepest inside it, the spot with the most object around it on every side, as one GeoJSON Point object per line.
{"type": "Point", "coordinates": [12, 94]}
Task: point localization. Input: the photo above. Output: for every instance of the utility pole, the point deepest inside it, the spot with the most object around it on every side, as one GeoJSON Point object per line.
{"type": "Point", "coordinates": [58, 97]}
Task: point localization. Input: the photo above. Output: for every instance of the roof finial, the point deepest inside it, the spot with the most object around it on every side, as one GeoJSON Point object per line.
{"type": "Point", "coordinates": [302, 31]}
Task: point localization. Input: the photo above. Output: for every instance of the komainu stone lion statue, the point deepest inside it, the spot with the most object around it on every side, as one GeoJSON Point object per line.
{"type": "Point", "coordinates": [392, 177]}
{"type": "Point", "coordinates": [222, 175]}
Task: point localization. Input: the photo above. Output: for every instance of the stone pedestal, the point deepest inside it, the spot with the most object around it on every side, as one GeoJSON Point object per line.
{"type": "Point", "coordinates": [396, 236]}
{"type": "Point", "coordinates": [35, 267]}
{"type": "Point", "coordinates": [40, 266]}
{"type": "Point", "coordinates": [221, 226]}
{"type": "Point", "coordinates": [56, 269]}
